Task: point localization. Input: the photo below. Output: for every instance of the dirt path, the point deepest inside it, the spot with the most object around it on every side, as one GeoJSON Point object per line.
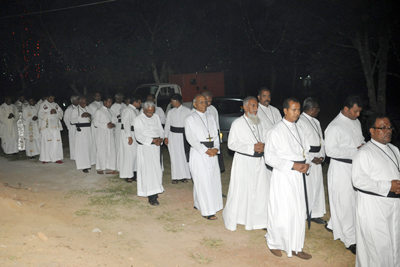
{"type": "Point", "coordinates": [50, 220]}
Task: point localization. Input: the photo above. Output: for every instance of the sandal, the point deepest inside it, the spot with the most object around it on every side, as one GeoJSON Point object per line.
{"type": "Point", "coordinates": [174, 181]}
{"type": "Point", "coordinates": [128, 180]}
{"type": "Point", "coordinates": [184, 181]}
{"type": "Point", "coordinates": [100, 172]}
{"type": "Point", "coordinates": [211, 217]}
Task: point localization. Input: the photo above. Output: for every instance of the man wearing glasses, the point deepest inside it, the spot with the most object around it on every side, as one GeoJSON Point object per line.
{"type": "Point", "coordinates": [376, 175]}
{"type": "Point", "coordinates": [343, 137]}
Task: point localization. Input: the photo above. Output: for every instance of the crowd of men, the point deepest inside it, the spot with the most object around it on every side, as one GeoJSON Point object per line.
{"type": "Point", "coordinates": [276, 176]}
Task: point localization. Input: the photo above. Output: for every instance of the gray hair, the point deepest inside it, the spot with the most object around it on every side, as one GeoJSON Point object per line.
{"type": "Point", "coordinates": [120, 95]}
{"type": "Point", "coordinates": [309, 103]}
{"type": "Point", "coordinates": [194, 99]}
{"type": "Point", "coordinates": [247, 99]}
{"type": "Point", "coordinates": [74, 97]}
{"type": "Point", "coordinates": [148, 104]}
{"type": "Point", "coordinates": [206, 93]}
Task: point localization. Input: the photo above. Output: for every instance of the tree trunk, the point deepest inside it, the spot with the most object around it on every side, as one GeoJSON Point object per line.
{"type": "Point", "coordinates": [362, 46]}
{"type": "Point", "coordinates": [155, 73]}
{"type": "Point", "coordinates": [384, 42]}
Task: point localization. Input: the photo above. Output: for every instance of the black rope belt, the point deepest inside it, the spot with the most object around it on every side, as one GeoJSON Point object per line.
{"type": "Point", "coordinates": [348, 161]}
{"type": "Point", "coordinates": [315, 149]}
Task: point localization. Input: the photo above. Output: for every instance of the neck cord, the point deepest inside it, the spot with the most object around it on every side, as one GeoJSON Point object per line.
{"type": "Point", "coordinates": [252, 130]}
{"type": "Point", "coordinates": [396, 164]}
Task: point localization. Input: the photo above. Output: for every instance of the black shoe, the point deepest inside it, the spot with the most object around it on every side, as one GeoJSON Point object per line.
{"type": "Point", "coordinates": [329, 230]}
{"type": "Point", "coordinates": [85, 170]}
{"type": "Point", "coordinates": [352, 248]}
{"type": "Point", "coordinates": [318, 220]}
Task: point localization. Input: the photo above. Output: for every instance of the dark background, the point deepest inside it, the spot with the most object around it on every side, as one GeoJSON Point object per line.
{"type": "Point", "coordinates": [83, 46]}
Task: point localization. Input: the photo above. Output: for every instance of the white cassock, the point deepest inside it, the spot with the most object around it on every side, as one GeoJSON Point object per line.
{"type": "Point", "coordinates": [342, 137]}
{"type": "Point", "coordinates": [21, 135]}
{"type": "Point", "coordinates": [149, 161]}
{"type": "Point", "coordinates": [269, 116]}
{"type": "Point", "coordinates": [51, 149]}
{"type": "Point", "coordinates": [116, 110]}
{"type": "Point", "coordinates": [174, 131]}
{"type": "Point", "coordinates": [315, 180]}
{"type": "Point", "coordinates": [248, 188]}
{"type": "Point", "coordinates": [207, 189]}
{"type": "Point", "coordinates": [71, 130]}
{"type": "Point", "coordinates": [105, 140]}
{"type": "Point", "coordinates": [8, 128]}
{"type": "Point", "coordinates": [214, 112]}
{"type": "Point", "coordinates": [161, 114]}
{"type": "Point", "coordinates": [377, 213]}
{"type": "Point", "coordinates": [93, 107]}
{"type": "Point", "coordinates": [85, 155]}
{"type": "Point", "coordinates": [32, 135]}
{"type": "Point", "coordinates": [284, 145]}
{"type": "Point", "coordinates": [127, 153]}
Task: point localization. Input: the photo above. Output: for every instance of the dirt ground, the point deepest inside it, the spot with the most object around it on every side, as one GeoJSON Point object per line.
{"type": "Point", "coordinates": [54, 215]}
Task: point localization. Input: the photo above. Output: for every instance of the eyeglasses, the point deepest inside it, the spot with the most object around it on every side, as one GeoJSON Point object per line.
{"type": "Point", "coordinates": [389, 128]}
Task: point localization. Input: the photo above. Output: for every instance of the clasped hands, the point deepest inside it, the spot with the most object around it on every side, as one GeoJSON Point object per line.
{"type": "Point", "coordinates": [212, 152]}
{"type": "Point", "coordinates": [86, 115]}
{"type": "Point", "coordinates": [157, 141]}
{"type": "Point", "coordinates": [11, 116]}
{"type": "Point", "coordinates": [301, 167]}
{"type": "Point", "coordinates": [395, 187]}
{"type": "Point", "coordinates": [53, 111]}
{"type": "Point", "coordinates": [259, 147]}
{"type": "Point", "coordinates": [317, 161]}
{"type": "Point", "coordinates": [110, 125]}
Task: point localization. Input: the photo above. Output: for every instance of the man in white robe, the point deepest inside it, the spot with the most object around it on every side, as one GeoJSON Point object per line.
{"type": "Point", "coordinates": [176, 141]}
{"type": "Point", "coordinates": [343, 137]}
{"type": "Point", "coordinates": [214, 112]}
{"type": "Point", "coordinates": [268, 114]}
{"type": "Point", "coordinates": [116, 110]}
{"type": "Point", "coordinates": [202, 134]}
{"type": "Point", "coordinates": [9, 116]}
{"type": "Point", "coordinates": [71, 127]}
{"type": "Point", "coordinates": [128, 146]}
{"type": "Point", "coordinates": [85, 155]}
{"type": "Point", "coordinates": [315, 184]}
{"type": "Point", "coordinates": [31, 123]}
{"type": "Point", "coordinates": [286, 150]}
{"type": "Point", "coordinates": [50, 115]}
{"type": "Point", "coordinates": [93, 107]}
{"type": "Point", "coordinates": [21, 103]}
{"type": "Point", "coordinates": [41, 100]}
{"type": "Point", "coordinates": [149, 135]}
{"type": "Point", "coordinates": [376, 175]}
{"type": "Point", "coordinates": [159, 111]}
{"type": "Point", "coordinates": [105, 121]}
{"type": "Point", "coordinates": [248, 188]}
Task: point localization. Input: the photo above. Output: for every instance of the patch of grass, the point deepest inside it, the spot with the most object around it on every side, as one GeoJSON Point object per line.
{"type": "Point", "coordinates": [77, 193]}
{"type": "Point", "coordinates": [110, 200]}
{"type": "Point", "coordinates": [212, 242]}
{"type": "Point", "coordinates": [166, 217]}
{"type": "Point", "coordinates": [83, 212]}
{"type": "Point", "coordinates": [173, 228]}
{"type": "Point", "coordinates": [200, 258]}
{"type": "Point", "coordinates": [108, 215]}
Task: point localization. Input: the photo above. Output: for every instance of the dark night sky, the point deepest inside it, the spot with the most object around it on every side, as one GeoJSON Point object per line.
{"type": "Point", "coordinates": [112, 46]}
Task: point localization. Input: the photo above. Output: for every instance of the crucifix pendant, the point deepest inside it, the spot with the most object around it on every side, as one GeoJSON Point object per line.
{"type": "Point", "coordinates": [209, 137]}
{"type": "Point", "coordinates": [320, 142]}
{"type": "Point", "coordinates": [304, 155]}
